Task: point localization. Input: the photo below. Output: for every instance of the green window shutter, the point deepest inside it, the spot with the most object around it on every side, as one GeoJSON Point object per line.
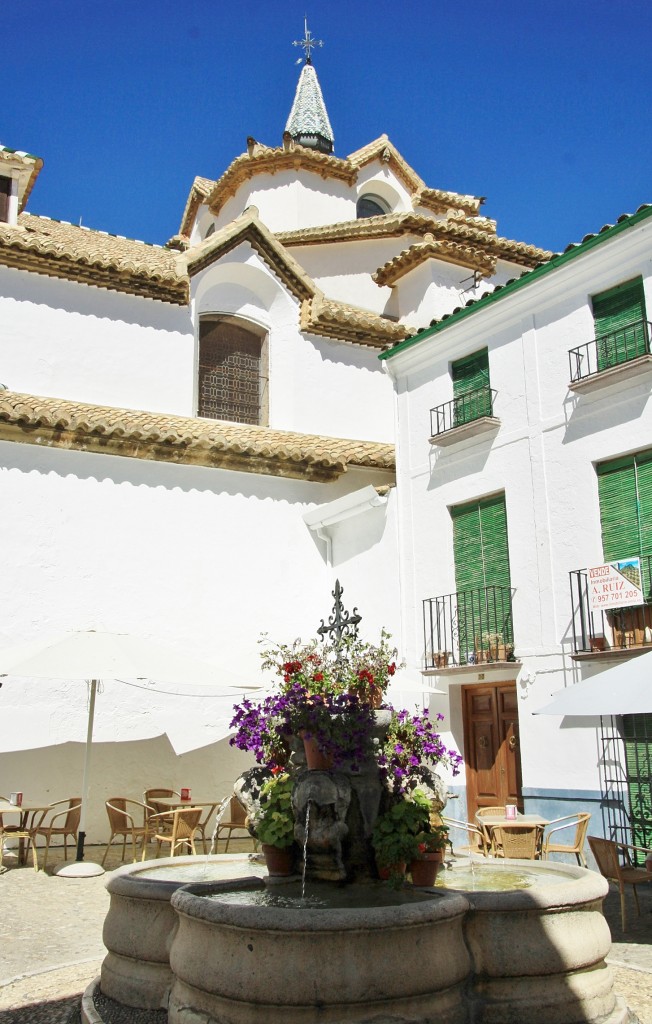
{"type": "Point", "coordinates": [637, 738]}
{"type": "Point", "coordinates": [482, 573]}
{"type": "Point", "coordinates": [625, 494]}
{"type": "Point", "coordinates": [471, 389]}
{"type": "Point", "coordinates": [619, 316]}
{"type": "Point", "coordinates": [618, 509]}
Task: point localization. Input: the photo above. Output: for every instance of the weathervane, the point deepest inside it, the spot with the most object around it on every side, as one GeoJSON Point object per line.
{"type": "Point", "coordinates": [340, 623]}
{"type": "Point", "coordinates": [307, 42]}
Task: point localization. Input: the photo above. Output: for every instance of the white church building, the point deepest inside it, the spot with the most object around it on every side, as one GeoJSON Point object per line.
{"type": "Point", "coordinates": [197, 439]}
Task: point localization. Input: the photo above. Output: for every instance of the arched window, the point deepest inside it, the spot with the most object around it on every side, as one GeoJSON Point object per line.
{"type": "Point", "coordinates": [232, 370]}
{"type": "Point", "coordinates": [371, 205]}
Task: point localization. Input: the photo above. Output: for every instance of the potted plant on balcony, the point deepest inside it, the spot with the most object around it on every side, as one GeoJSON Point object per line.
{"type": "Point", "coordinates": [494, 648]}
{"type": "Point", "coordinates": [274, 824]}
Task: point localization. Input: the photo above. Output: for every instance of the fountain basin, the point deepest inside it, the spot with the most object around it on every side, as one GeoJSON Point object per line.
{"type": "Point", "coordinates": [140, 923]}
{"type": "Point", "coordinates": [503, 942]}
{"type": "Point", "coordinates": [240, 963]}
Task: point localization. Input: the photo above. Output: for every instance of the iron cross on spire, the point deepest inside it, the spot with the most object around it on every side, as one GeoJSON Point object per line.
{"type": "Point", "coordinates": [307, 42]}
{"type": "Point", "coordinates": [340, 623]}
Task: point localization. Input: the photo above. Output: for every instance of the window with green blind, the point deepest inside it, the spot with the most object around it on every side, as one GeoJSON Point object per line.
{"type": "Point", "coordinates": [637, 739]}
{"type": "Point", "coordinates": [620, 327]}
{"type": "Point", "coordinates": [471, 389]}
{"type": "Point", "coordinates": [625, 494]}
{"type": "Point", "coordinates": [482, 575]}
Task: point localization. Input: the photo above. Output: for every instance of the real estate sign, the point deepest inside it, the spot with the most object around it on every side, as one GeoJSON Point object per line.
{"type": "Point", "coordinates": [616, 584]}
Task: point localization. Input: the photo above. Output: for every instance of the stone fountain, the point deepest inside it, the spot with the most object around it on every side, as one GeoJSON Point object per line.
{"type": "Point", "coordinates": [507, 942]}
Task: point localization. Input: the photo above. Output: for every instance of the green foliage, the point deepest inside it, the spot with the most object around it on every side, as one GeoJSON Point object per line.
{"type": "Point", "coordinates": [435, 839]}
{"type": "Point", "coordinates": [397, 832]}
{"type": "Point", "coordinates": [275, 823]}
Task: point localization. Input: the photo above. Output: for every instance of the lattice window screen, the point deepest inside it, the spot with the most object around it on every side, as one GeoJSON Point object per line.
{"type": "Point", "coordinates": [229, 372]}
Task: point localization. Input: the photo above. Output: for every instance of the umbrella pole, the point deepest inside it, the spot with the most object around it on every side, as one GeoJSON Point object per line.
{"type": "Point", "coordinates": [81, 836]}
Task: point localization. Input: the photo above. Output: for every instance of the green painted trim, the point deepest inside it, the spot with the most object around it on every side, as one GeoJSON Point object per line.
{"type": "Point", "coordinates": [522, 282]}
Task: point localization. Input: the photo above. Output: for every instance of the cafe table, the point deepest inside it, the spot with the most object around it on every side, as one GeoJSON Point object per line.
{"type": "Point", "coordinates": [490, 822]}
{"type": "Point", "coordinates": [23, 812]}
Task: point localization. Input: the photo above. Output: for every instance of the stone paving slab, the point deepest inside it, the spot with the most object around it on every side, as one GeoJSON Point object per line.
{"type": "Point", "coordinates": [51, 942]}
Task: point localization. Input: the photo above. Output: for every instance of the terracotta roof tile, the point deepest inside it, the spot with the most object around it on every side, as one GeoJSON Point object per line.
{"type": "Point", "coordinates": [60, 423]}
{"type": "Point", "coordinates": [472, 257]}
{"type": "Point", "coordinates": [58, 249]}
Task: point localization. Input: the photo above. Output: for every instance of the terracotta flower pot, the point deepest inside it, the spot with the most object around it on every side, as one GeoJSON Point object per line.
{"type": "Point", "coordinates": [278, 859]}
{"type": "Point", "coordinates": [424, 869]}
{"type": "Point", "coordinates": [316, 760]}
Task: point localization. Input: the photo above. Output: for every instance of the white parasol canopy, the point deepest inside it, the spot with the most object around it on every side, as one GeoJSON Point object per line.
{"type": "Point", "coordinates": [94, 655]}
{"type": "Point", "coordinates": [623, 690]}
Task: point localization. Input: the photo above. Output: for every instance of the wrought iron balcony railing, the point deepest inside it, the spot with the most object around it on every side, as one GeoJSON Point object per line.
{"type": "Point", "coordinates": [612, 628]}
{"type": "Point", "coordinates": [468, 627]}
{"type": "Point", "coordinates": [610, 350]}
{"type": "Point", "coordinates": [462, 410]}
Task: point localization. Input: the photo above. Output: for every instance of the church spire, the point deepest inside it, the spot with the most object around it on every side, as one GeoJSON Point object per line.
{"type": "Point", "coordinates": [308, 123]}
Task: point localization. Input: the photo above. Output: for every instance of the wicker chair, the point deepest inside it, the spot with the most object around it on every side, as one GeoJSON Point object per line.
{"type": "Point", "coordinates": [608, 856]}
{"type": "Point", "coordinates": [579, 822]}
{"type": "Point", "coordinates": [16, 832]}
{"type": "Point", "coordinates": [60, 819]}
{"type": "Point", "coordinates": [477, 836]}
{"type": "Point", "coordinates": [517, 841]}
{"type": "Point", "coordinates": [183, 823]}
{"type": "Point", "coordinates": [150, 800]}
{"type": "Point", "coordinates": [122, 813]}
{"type": "Point", "coordinates": [235, 822]}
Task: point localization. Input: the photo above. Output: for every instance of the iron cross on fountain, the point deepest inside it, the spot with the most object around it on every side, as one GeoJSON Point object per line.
{"type": "Point", "coordinates": [340, 623]}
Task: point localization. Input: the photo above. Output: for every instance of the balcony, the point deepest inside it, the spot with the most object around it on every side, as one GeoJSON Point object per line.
{"type": "Point", "coordinates": [465, 416]}
{"type": "Point", "coordinates": [469, 627]}
{"type": "Point", "coordinates": [609, 631]}
{"type": "Point", "coordinates": [610, 358]}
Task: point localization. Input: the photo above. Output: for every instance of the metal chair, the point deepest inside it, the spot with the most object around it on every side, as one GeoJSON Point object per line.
{"type": "Point", "coordinates": [236, 821]}
{"type": "Point", "coordinates": [607, 855]}
{"type": "Point", "coordinates": [63, 822]}
{"type": "Point", "coordinates": [122, 812]}
{"type": "Point", "coordinates": [183, 823]}
{"type": "Point", "coordinates": [522, 842]}
{"type": "Point", "coordinates": [579, 822]}
{"type": "Point", "coordinates": [478, 838]}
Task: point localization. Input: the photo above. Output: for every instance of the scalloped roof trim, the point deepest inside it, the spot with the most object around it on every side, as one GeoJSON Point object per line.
{"type": "Point", "coordinates": [60, 423]}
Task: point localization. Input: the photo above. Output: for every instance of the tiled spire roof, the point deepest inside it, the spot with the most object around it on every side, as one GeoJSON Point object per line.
{"type": "Point", "coordinates": [308, 123]}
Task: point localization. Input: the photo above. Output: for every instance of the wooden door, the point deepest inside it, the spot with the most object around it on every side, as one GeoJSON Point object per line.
{"type": "Point", "coordinates": [491, 742]}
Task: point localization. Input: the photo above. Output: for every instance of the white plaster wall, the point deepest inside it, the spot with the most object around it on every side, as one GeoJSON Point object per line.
{"type": "Point", "coordinates": [73, 341]}
{"type": "Point", "coordinates": [343, 270]}
{"type": "Point", "coordinates": [315, 385]}
{"type": "Point", "coordinates": [197, 558]}
{"type": "Point", "coordinates": [291, 199]}
{"type": "Point", "coordinates": [543, 458]}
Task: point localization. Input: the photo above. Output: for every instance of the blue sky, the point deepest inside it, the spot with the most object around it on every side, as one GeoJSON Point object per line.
{"type": "Point", "coordinates": [542, 107]}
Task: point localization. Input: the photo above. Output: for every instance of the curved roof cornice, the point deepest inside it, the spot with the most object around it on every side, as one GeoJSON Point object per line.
{"type": "Point", "coordinates": [469, 256]}
{"type": "Point", "coordinates": [477, 232]}
{"type": "Point", "coordinates": [160, 437]}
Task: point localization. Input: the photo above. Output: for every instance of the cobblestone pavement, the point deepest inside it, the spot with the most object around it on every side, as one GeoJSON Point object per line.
{"type": "Point", "coordinates": [51, 942]}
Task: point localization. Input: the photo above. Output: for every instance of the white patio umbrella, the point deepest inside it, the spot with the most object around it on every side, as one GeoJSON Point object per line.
{"type": "Point", "coordinates": [94, 655]}
{"type": "Point", "coordinates": [623, 690]}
